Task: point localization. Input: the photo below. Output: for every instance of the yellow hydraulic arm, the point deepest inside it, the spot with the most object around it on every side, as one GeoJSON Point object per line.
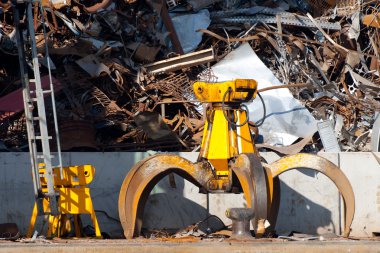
{"type": "Point", "coordinates": [227, 162]}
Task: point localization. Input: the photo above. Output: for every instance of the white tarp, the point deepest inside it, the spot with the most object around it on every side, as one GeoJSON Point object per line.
{"type": "Point", "coordinates": [287, 119]}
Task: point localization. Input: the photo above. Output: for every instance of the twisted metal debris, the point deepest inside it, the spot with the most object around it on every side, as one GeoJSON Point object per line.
{"type": "Point", "coordinates": [99, 53]}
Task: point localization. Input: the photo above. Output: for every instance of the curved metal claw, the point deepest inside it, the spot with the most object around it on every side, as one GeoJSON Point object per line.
{"type": "Point", "coordinates": [253, 180]}
{"type": "Point", "coordinates": [320, 164]}
{"type": "Point", "coordinates": [143, 177]}
{"type": "Point", "coordinates": [274, 196]}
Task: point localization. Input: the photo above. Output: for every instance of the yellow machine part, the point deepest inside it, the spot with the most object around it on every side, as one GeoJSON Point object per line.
{"type": "Point", "coordinates": [214, 92]}
{"type": "Point", "coordinates": [216, 138]}
{"type": "Point", "coordinates": [80, 175]}
{"type": "Point", "coordinates": [144, 175]}
{"type": "Point", "coordinates": [320, 164]}
{"type": "Point", "coordinates": [227, 145]}
{"type": "Point", "coordinates": [222, 138]}
{"type": "Point", "coordinates": [74, 199]}
{"type": "Point", "coordinates": [221, 141]}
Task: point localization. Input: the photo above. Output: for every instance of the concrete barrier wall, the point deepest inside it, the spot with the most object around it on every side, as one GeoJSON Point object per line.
{"type": "Point", "coordinates": [310, 202]}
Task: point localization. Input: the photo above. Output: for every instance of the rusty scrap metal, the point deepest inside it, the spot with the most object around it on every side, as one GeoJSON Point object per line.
{"type": "Point", "coordinates": [372, 20]}
{"type": "Point", "coordinates": [288, 150]}
{"type": "Point", "coordinates": [339, 68]}
{"type": "Point", "coordinates": [299, 21]}
{"type": "Point", "coordinates": [177, 86]}
{"type": "Point", "coordinates": [180, 62]}
{"type": "Point", "coordinates": [321, 6]}
{"type": "Point", "coordinates": [98, 6]}
{"type": "Point", "coordinates": [77, 135]}
{"type": "Point", "coordinates": [166, 19]}
{"type": "Point", "coordinates": [9, 231]}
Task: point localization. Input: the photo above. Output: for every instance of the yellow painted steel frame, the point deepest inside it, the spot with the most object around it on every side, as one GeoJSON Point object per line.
{"type": "Point", "coordinates": [214, 92]}
{"type": "Point", "coordinates": [223, 140]}
{"type": "Point", "coordinates": [74, 199]}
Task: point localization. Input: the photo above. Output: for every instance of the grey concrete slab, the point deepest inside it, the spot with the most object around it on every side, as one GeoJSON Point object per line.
{"type": "Point", "coordinates": [363, 172]}
{"type": "Point", "coordinates": [310, 202]}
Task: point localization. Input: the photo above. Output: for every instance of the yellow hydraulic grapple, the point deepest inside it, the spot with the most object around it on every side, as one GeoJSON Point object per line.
{"type": "Point", "coordinates": [228, 162]}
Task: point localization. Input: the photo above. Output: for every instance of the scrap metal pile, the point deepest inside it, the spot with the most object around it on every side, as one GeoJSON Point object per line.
{"type": "Point", "coordinates": [123, 70]}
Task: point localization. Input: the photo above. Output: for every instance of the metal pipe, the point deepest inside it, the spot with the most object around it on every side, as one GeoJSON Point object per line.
{"type": "Point", "coordinates": [170, 27]}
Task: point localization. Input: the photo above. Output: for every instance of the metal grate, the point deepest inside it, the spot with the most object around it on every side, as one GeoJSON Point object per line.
{"type": "Point", "coordinates": [327, 134]}
{"type": "Point", "coordinates": [343, 7]}
{"type": "Point", "coordinates": [348, 7]}
{"type": "Point", "coordinates": [177, 85]}
{"type": "Point", "coordinates": [319, 7]}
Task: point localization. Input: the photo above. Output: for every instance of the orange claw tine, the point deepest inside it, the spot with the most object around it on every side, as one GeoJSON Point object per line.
{"type": "Point", "coordinates": [320, 164]}
{"type": "Point", "coordinates": [143, 177]}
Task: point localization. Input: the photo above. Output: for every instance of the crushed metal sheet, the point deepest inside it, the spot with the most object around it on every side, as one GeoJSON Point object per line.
{"type": "Point", "coordinates": [180, 62]}
{"type": "Point", "coordinates": [286, 118]}
{"type": "Point", "coordinates": [114, 61]}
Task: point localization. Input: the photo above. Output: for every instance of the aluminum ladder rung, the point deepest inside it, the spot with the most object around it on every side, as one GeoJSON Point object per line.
{"type": "Point", "coordinates": [38, 137]}
{"type": "Point", "coordinates": [42, 156]}
{"type": "Point", "coordinates": [43, 91]}
{"type": "Point", "coordinates": [34, 99]}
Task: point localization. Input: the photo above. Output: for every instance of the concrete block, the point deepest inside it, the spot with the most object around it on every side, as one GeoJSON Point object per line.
{"type": "Point", "coordinates": [363, 172]}
{"type": "Point", "coordinates": [309, 201]}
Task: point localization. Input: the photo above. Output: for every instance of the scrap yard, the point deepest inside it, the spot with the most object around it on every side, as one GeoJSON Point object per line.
{"type": "Point", "coordinates": [189, 125]}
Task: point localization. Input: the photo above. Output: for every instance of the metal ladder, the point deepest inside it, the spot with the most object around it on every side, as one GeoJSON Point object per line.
{"type": "Point", "coordinates": [33, 97]}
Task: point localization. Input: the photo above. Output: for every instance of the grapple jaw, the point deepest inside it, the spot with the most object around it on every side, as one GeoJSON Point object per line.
{"type": "Point", "coordinates": [144, 176]}
{"type": "Point", "coordinates": [259, 182]}
{"type": "Point", "coordinates": [253, 180]}
{"type": "Point", "coordinates": [319, 164]}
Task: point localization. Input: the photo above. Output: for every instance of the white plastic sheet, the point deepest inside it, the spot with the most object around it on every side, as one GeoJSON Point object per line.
{"type": "Point", "coordinates": [287, 119]}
